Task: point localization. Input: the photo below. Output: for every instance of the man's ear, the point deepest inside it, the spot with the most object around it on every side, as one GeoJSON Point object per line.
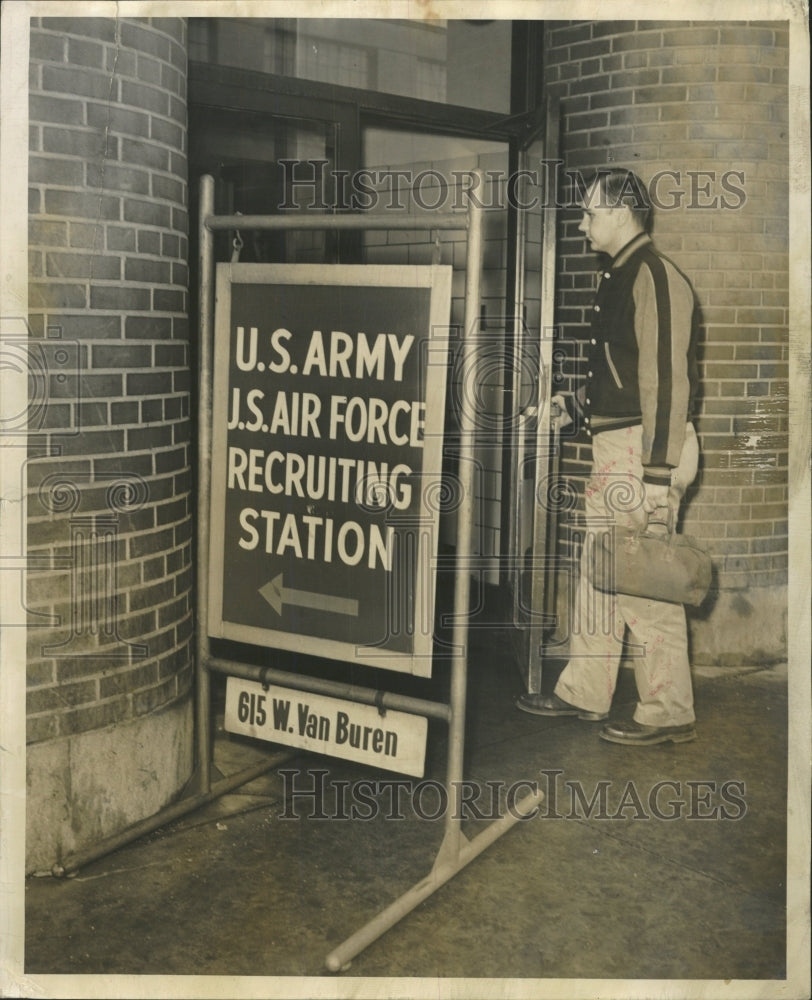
{"type": "Point", "coordinates": [622, 215]}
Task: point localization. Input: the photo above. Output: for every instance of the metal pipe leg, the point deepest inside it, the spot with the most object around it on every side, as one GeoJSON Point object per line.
{"type": "Point", "coordinates": [446, 868]}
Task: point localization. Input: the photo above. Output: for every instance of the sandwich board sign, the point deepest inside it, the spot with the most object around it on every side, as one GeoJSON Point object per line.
{"type": "Point", "coordinates": [327, 423]}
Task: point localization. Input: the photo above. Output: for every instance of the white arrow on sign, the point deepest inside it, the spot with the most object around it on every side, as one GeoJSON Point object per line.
{"type": "Point", "coordinates": [276, 595]}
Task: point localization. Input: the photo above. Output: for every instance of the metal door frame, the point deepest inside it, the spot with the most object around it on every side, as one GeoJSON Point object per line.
{"type": "Point", "coordinates": [530, 616]}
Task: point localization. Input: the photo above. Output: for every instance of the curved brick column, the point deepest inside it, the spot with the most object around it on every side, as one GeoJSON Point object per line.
{"type": "Point", "coordinates": [704, 107]}
{"type": "Point", "coordinates": [109, 664]}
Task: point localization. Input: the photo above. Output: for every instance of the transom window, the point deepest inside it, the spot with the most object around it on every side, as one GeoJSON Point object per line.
{"type": "Point", "coordinates": [463, 63]}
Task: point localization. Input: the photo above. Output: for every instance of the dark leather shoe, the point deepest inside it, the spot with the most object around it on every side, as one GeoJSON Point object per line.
{"type": "Point", "coordinates": [634, 734]}
{"type": "Point", "coordinates": [551, 704]}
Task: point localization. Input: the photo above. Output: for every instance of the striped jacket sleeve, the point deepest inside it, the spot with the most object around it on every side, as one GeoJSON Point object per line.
{"type": "Point", "coordinates": [664, 305]}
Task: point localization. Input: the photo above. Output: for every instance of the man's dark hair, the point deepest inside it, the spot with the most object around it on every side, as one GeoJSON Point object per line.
{"type": "Point", "coordinates": [623, 187]}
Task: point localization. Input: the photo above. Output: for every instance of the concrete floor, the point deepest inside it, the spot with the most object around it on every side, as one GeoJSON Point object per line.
{"type": "Point", "coordinates": [621, 893]}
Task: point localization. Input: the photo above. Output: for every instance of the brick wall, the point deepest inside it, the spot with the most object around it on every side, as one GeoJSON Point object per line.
{"type": "Point", "coordinates": [109, 471]}
{"type": "Point", "coordinates": [709, 103]}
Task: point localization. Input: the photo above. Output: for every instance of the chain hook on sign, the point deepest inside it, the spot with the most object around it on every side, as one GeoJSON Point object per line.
{"type": "Point", "coordinates": [236, 245]}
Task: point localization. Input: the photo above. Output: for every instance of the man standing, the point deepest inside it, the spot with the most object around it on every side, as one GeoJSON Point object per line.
{"type": "Point", "coordinates": [636, 405]}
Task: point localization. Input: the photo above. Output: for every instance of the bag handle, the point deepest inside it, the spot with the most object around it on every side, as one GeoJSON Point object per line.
{"type": "Point", "coordinates": [669, 522]}
{"type": "Point", "coordinates": [670, 525]}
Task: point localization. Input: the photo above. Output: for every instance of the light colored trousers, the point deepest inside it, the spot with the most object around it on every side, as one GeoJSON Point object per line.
{"type": "Point", "coordinates": [657, 629]}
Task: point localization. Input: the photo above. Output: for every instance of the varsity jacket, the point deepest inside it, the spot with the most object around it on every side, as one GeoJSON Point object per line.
{"type": "Point", "coordinates": [641, 358]}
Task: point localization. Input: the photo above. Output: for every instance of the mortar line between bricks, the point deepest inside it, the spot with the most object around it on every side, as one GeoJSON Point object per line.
{"type": "Point", "coordinates": [117, 42]}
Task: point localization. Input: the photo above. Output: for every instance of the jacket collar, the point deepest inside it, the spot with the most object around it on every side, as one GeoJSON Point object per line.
{"type": "Point", "coordinates": [641, 240]}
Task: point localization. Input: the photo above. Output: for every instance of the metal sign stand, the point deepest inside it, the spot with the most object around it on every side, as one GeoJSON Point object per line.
{"type": "Point", "coordinates": [456, 850]}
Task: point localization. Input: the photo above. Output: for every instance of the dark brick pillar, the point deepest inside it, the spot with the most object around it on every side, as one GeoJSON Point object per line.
{"type": "Point", "coordinates": [109, 663]}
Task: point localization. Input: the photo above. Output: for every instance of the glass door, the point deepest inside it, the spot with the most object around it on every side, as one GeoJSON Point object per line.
{"type": "Point", "coordinates": [267, 164]}
{"type": "Point", "coordinates": [425, 173]}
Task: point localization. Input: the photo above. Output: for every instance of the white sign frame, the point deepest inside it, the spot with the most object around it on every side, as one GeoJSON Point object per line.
{"type": "Point", "coordinates": [437, 279]}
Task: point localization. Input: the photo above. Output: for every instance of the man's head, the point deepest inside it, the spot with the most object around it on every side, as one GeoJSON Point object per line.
{"type": "Point", "coordinates": [616, 208]}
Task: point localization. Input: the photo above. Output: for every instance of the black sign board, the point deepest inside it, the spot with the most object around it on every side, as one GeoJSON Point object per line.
{"type": "Point", "coordinates": [329, 402]}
